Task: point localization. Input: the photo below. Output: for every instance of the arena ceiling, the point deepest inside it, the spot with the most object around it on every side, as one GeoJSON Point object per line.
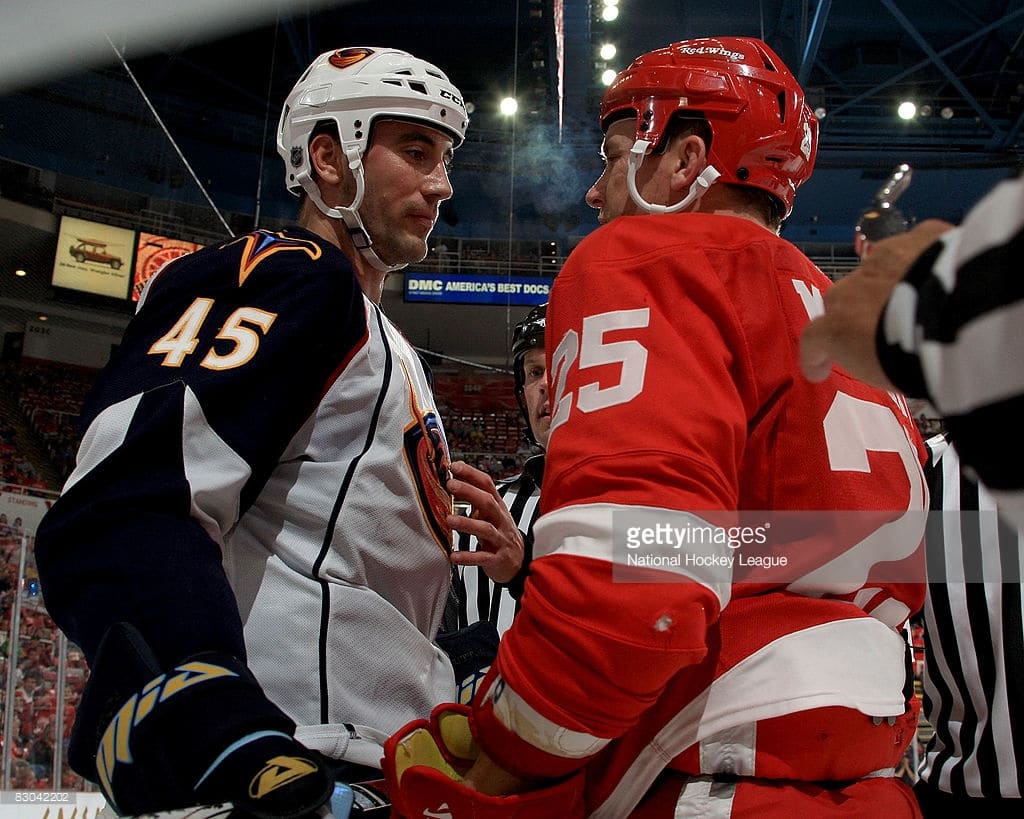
{"type": "Point", "coordinates": [214, 72]}
{"type": "Point", "coordinates": [856, 58]}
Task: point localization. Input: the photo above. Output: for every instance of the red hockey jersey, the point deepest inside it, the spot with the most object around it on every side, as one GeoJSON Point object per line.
{"type": "Point", "coordinates": [679, 408]}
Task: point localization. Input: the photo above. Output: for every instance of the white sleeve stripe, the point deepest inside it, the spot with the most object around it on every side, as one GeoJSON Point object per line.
{"type": "Point", "coordinates": [1011, 505]}
{"type": "Point", "coordinates": [105, 435]}
{"type": "Point", "coordinates": [858, 664]}
{"type": "Point", "coordinates": [960, 375]}
{"type": "Point", "coordinates": [993, 222]}
{"type": "Point", "coordinates": [215, 472]}
{"type": "Point", "coordinates": [590, 530]}
{"type": "Point", "coordinates": [899, 319]}
{"type": "Point", "coordinates": [705, 797]}
{"type": "Point", "coordinates": [519, 717]}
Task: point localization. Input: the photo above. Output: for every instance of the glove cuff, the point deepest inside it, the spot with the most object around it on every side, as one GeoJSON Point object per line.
{"type": "Point", "coordinates": [518, 756]}
{"type": "Point", "coordinates": [269, 775]}
{"type": "Point", "coordinates": [428, 792]}
{"type": "Point", "coordinates": [156, 739]}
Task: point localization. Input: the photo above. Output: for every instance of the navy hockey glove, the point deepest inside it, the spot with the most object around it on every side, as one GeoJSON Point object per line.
{"type": "Point", "coordinates": [201, 733]}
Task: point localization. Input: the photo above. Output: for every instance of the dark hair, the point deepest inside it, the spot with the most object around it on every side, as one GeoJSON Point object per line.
{"type": "Point", "coordinates": [769, 207]}
{"type": "Point", "coordinates": [684, 123]}
{"type": "Point", "coordinates": [325, 126]}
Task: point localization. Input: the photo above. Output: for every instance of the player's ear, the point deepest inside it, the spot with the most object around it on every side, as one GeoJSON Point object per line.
{"type": "Point", "coordinates": [326, 158]}
{"type": "Point", "coordinates": [690, 158]}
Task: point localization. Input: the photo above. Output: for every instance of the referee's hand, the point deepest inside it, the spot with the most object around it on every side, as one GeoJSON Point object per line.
{"type": "Point", "coordinates": [845, 334]}
{"type": "Point", "coordinates": [500, 546]}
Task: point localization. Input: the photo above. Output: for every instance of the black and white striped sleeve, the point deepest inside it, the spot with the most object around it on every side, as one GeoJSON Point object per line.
{"type": "Point", "coordinates": [479, 597]}
{"type": "Point", "coordinates": [974, 641]}
{"type": "Point", "coordinates": [953, 332]}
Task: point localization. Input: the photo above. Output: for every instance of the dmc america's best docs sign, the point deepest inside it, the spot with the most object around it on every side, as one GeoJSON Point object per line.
{"type": "Point", "coordinates": [469, 289]}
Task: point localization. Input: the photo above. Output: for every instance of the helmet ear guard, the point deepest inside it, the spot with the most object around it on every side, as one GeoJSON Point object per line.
{"type": "Point", "coordinates": [704, 180]}
{"type": "Point", "coordinates": [764, 134]}
{"type": "Point", "coordinates": [353, 87]}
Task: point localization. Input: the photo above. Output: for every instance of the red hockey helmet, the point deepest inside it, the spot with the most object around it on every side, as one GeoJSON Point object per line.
{"type": "Point", "coordinates": [763, 132]}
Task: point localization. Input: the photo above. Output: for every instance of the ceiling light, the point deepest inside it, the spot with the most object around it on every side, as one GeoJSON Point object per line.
{"type": "Point", "coordinates": [946, 113]}
{"type": "Point", "coordinates": [609, 13]}
{"type": "Point", "coordinates": [509, 106]}
{"type": "Point", "coordinates": [609, 75]}
{"type": "Point", "coordinates": [43, 317]}
{"type": "Point", "coordinates": [20, 272]}
{"type": "Point", "coordinates": [607, 51]}
{"type": "Point", "coordinates": [611, 2]}
{"type": "Point", "coordinates": [819, 113]}
{"type": "Point", "coordinates": [926, 110]}
{"type": "Point", "coordinates": [907, 110]}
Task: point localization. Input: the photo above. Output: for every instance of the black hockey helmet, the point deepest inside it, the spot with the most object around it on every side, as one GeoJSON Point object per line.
{"type": "Point", "coordinates": [527, 335]}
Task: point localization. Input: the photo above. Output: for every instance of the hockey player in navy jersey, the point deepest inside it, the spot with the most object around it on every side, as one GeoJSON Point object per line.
{"type": "Point", "coordinates": [253, 550]}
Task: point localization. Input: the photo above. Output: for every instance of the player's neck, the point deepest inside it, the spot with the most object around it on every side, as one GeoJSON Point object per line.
{"type": "Point", "coordinates": [742, 214]}
{"type": "Point", "coordinates": [334, 231]}
{"type": "Point", "coordinates": [724, 202]}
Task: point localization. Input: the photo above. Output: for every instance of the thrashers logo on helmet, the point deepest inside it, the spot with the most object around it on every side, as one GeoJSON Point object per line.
{"type": "Point", "coordinates": [346, 57]}
{"type": "Point", "coordinates": [352, 88]}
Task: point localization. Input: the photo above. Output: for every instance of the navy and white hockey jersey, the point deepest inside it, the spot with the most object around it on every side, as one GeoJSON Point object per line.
{"type": "Point", "coordinates": [262, 473]}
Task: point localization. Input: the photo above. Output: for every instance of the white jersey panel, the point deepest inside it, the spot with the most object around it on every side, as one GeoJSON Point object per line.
{"type": "Point", "coordinates": [374, 442]}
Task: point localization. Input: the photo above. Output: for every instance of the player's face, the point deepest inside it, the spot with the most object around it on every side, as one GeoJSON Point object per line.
{"type": "Point", "coordinates": [535, 394]}
{"type": "Point", "coordinates": [406, 169]}
{"type": "Point", "coordinates": [610, 194]}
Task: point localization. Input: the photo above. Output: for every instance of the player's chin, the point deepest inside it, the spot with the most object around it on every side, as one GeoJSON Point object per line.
{"type": "Point", "coordinates": [406, 250]}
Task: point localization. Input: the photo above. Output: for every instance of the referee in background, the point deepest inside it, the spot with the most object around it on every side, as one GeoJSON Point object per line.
{"type": "Point", "coordinates": [480, 599]}
{"type": "Point", "coordinates": [974, 650]}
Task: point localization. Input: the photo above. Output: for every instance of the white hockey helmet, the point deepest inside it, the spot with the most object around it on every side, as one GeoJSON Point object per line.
{"type": "Point", "coordinates": [352, 87]}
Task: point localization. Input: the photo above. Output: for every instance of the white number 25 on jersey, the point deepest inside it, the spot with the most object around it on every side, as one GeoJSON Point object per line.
{"type": "Point", "coordinates": [593, 351]}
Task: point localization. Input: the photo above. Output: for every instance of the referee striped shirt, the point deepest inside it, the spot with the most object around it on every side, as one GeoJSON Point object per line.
{"type": "Point", "coordinates": [479, 597]}
{"type": "Point", "coordinates": [953, 332]}
{"type": "Point", "coordinates": [974, 640]}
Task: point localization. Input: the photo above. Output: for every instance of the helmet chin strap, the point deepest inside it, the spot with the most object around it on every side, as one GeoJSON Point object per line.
{"type": "Point", "coordinates": [699, 187]}
{"type": "Point", "coordinates": [350, 214]}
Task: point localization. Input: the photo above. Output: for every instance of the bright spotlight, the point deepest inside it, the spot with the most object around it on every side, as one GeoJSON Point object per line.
{"type": "Point", "coordinates": [608, 76]}
{"type": "Point", "coordinates": [611, 2]}
{"type": "Point", "coordinates": [509, 106]}
{"type": "Point", "coordinates": [946, 113]}
{"type": "Point", "coordinates": [907, 110]}
{"type": "Point", "coordinates": [820, 113]}
{"type": "Point", "coordinates": [609, 13]}
{"type": "Point", "coordinates": [607, 51]}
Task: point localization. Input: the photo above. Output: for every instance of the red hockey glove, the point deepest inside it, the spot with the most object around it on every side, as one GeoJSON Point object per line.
{"type": "Point", "coordinates": [424, 764]}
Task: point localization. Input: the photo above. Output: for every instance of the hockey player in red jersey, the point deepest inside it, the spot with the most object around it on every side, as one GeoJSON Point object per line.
{"type": "Point", "coordinates": [698, 688]}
